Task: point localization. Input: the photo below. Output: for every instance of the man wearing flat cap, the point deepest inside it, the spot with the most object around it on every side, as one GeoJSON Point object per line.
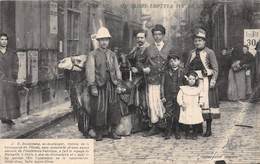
{"type": "Point", "coordinates": [156, 56]}
{"type": "Point", "coordinates": [203, 61]}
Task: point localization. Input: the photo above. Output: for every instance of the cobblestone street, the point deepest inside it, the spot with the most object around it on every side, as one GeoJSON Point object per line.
{"type": "Point", "coordinates": [234, 144]}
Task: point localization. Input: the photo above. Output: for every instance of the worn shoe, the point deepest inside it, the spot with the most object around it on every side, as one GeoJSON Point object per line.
{"type": "Point", "coordinates": [151, 132]}
{"type": "Point", "coordinates": [177, 136]}
{"type": "Point", "coordinates": [114, 136]}
{"type": "Point", "coordinates": [194, 137]}
{"type": "Point", "coordinates": [168, 136]}
{"type": "Point", "coordinates": [187, 136]}
{"type": "Point", "coordinates": [9, 122]}
{"type": "Point", "coordinates": [207, 134]}
{"type": "Point", "coordinates": [99, 137]}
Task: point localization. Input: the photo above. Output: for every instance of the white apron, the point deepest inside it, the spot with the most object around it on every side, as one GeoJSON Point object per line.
{"type": "Point", "coordinates": [155, 105]}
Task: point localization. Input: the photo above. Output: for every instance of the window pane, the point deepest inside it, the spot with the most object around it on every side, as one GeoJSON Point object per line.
{"type": "Point", "coordinates": [76, 26]}
{"type": "Point", "coordinates": [69, 29]}
{"type": "Point", "coordinates": [69, 3]}
{"type": "Point", "coordinates": [76, 4]}
{"type": "Point", "coordinates": [73, 47]}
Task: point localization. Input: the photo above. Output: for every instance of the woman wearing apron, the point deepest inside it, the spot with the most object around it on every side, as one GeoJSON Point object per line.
{"type": "Point", "coordinates": [203, 61]}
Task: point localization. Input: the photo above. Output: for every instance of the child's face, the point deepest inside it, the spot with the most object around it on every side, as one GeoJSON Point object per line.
{"type": "Point", "coordinates": [174, 63]}
{"type": "Point", "coordinates": [191, 80]}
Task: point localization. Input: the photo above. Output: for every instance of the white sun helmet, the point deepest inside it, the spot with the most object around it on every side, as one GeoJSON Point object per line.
{"type": "Point", "coordinates": [103, 33]}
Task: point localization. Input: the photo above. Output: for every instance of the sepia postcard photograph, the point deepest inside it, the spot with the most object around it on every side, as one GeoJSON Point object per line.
{"type": "Point", "coordinates": [130, 81]}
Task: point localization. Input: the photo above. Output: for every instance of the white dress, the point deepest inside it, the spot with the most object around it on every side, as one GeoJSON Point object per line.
{"type": "Point", "coordinates": [190, 98]}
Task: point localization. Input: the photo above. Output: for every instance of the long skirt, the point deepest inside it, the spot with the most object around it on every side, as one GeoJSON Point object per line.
{"type": "Point", "coordinates": [156, 109]}
{"type": "Point", "coordinates": [210, 109]}
{"type": "Point", "coordinates": [105, 106]}
{"type": "Point", "coordinates": [237, 89]}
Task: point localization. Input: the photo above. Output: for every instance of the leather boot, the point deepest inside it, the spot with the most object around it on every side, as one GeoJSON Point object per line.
{"type": "Point", "coordinates": [199, 129]}
{"type": "Point", "coordinates": [99, 134]}
{"type": "Point", "coordinates": [177, 131]}
{"type": "Point", "coordinates": [208, 130]}
{"type": "Point", "coordinates": [194, 132]}
{"type": "Point", "coordinates": [187, 132]}
{"type": "Point", "coordinates": [168, 133]}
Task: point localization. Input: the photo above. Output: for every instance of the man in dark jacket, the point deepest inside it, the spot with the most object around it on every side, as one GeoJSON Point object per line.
{"type": "Point", "coordinates": [156, 56]}
{"type": "Point", "coordinates": [9, 99]}
{"type": "Point", "coordinates": [138, 94]}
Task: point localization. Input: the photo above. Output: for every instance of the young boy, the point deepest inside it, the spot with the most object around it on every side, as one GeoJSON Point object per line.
{"type": "Point", "coordinates": [171, 81]}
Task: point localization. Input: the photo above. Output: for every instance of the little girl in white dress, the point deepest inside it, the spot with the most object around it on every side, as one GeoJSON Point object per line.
{"type": "Point", "coordinates": [190, 100]}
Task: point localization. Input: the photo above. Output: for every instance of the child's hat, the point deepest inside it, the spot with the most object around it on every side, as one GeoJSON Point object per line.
{"type": "Point", "coordinates": [173, 54]}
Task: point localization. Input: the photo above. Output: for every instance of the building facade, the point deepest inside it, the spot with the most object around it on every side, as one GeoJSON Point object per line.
{"type": "Point", "coordinates": [44, 32]}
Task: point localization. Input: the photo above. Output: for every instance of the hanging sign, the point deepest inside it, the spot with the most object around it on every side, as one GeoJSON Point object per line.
{"type": "Point", "coordinates": [251, 37]}
{"type": "Point", "coordinates": [53, 18]}
{"type": "Point", "coordinates": [22, 67]}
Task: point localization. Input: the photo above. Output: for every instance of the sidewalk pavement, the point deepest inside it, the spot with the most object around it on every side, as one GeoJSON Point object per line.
{"type": "Point", "coordinates": [26, 125]}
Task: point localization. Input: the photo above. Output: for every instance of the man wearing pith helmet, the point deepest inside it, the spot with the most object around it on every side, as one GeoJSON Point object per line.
{"type": "Point", "coordinates": [203, 61]}
{"type": "Point", "coordinates": [103, 77]}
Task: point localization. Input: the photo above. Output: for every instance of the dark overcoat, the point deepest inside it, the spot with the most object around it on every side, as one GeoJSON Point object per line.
{"type": "Point", "coordinates": [9, 98]}
{"type": "Point", "coordinates": [156, 61]}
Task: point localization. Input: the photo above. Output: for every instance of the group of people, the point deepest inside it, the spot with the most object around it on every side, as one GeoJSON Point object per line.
{"type": "Point", "coordinates": [171, 96]}
{"type": "Point", "coordinates": [151, 84]}
{"type": "Point", "coordinates": [238, 74]}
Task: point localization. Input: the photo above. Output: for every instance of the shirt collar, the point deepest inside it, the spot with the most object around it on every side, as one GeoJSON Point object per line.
{"type": "Point", "coordinates": [160, 44]}
{"type": "Point", "coordinates": [2, 51]}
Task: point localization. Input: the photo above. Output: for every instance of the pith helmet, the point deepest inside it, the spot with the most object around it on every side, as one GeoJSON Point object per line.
{"type": "Point", "coordinates": [103, 33]}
